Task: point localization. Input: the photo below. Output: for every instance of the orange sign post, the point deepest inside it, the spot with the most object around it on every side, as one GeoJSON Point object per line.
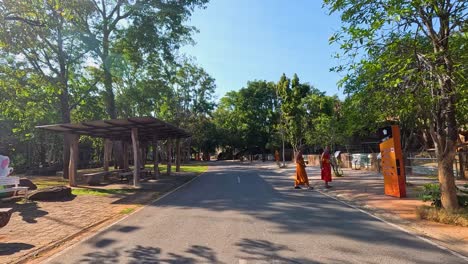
{"type": "Point", "coordinates": [393, 168]}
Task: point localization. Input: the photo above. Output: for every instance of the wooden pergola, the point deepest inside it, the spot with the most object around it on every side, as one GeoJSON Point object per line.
{"type": "Point", "coordinates": [134, 130]}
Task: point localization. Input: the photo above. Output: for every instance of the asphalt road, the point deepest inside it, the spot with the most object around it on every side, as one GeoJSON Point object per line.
{"type": "Point", "coordinates": [243, 214]}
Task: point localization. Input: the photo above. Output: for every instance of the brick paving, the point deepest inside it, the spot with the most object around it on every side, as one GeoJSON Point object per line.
{"type": "Point", "coordinates": [35, 225]}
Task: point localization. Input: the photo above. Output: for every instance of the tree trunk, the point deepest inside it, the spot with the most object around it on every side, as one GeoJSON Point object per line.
{"type": "Point", "coordinates": [284, 161]}
{"type": "Point", "coordinates": [65, 109]}
{"type": "Point", "coordinates": [64, 100]}
{"type": "Point", "coordinates": [447, 182]}
{"type": "Point", "coordinates": [107, 63]}
{"type": "Point", "coordinates": [73, 164]}
{"type": "Point", "coordinates": [462, 158]}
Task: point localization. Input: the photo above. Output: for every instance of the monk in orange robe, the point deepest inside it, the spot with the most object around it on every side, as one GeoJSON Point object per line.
{"type": "Point", "coordinates": [277, 156]}
{"type": "Point", "coordinates": [301, 175]}
{"type": "Point", "coordinates": [326, 167]}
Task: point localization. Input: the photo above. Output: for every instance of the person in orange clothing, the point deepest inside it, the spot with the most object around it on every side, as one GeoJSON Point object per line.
{"type": "Point", "coordinates": [326, 167]}
{"type": "Point", "coordinates": [277, 156]}
{"type": "Point", "coordinates": [301, 175]}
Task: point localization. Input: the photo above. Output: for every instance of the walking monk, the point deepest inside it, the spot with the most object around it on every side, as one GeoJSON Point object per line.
{"type": "Point", "coordinates": [326, 167]}
{"type": "Point", "coordinates": [301, 175]}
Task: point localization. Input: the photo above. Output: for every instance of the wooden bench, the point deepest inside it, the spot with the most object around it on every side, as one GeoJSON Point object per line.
{"type": "Point", "coordinates": [11, 184]}
{"type": "Point", "coordinates": [127, 175]}
{"type": "Point", "coordinates": [145, 173]}
{"type": "Point", "coordinates": [95, 178]}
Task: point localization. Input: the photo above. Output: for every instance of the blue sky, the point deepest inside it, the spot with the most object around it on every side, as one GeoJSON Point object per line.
{"type": "Point", "coordinates": [242, 40]}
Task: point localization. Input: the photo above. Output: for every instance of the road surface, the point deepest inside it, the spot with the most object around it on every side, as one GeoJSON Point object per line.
{"type": "Point", "coordinates": [244, 214]}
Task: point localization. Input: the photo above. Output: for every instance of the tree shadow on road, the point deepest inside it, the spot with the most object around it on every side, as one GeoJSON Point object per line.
{"type": "Point", "coordinates": [29, 211]}
{"type": "Point", "coordinates": [7, 249]}
{"type": "Point", "coordinates": [268, 196]}
{"type": "Point", "coordinates": [148, 254]}
{"type": "Point", "coordinates": [266, 252]}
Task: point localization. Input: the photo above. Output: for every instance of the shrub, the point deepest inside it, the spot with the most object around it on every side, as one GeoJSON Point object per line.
{"type": "Point", "coordinates": [431, 192]}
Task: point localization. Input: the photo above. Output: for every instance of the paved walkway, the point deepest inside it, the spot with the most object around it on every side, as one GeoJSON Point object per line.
{"type": "Point", "coordinates": [37, 225]}
{"type": "Point", "coordinates": [365, 189]}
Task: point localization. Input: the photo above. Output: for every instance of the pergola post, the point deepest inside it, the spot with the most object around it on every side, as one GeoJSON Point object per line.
{"type": "Point", "coordinates": [66, 155]}
{"type": "Point", "coordinates": [73, 164]}
{"type": "Point", "coordinates": [107, 153]}
{"type": "Point", "coordinates": [155, 157]}
{"type": "Point", "coordinates": [169, 156]}
{"type": "Point", "coordinates": [125, 155]}
{"type": "Point", "coordinates": [136, 159]}
{"type": "Point", "coordinates": [177, 161]}
{"type": "Point", "coordinates": [144, 150]}
{"type": "Point", "coordinates": [121, 154]}
{"type": "Point", "coordinates": [140, 155]}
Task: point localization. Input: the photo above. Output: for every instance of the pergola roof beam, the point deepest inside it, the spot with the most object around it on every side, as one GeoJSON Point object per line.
{"type": "Point", "coordinates": [120, 129]}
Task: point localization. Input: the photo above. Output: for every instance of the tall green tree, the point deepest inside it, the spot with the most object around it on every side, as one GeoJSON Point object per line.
{"type": "Point", "coordinates": [323, 119]}
{"type": "Point", "coordinates": [247, 118]}
{"type": "Point", "coordinates": [40, 38]}
{"type": "Point", "coordinates": [434, 26]}
{"type": "Point", "coordinates": [293, 114]}
{"type": "Point", "coordinates": [136, 30]}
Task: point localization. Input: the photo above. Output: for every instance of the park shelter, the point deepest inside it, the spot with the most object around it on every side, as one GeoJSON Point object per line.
{"type": "Point", "coordinates": [128, 130]}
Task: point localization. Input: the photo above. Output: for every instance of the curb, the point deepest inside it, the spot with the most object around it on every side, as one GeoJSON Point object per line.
{"type": "Point", "coordinates": [425, 239]}
{"type": "Point", "coordinates": [52, 245]}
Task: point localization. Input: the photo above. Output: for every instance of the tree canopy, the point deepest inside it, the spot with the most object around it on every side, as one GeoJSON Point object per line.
{"type": "Point", "coordinates": [406, 56]}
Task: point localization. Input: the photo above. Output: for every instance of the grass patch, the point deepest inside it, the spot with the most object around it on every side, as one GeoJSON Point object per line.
{"type": "Point", "coordinates": [195, 168]}
{"type": "Point", "coordinates": [41, 184]}
{"type": "Point", "coordinates": [101, 192]}
{"type": "Point", "coordinates": [440, 215]}
{"type": "Point", "coordinates": [127, 211]}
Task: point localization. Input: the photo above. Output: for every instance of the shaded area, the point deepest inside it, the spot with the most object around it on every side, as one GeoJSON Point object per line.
{"type": "Point", "coordinates": [266, 251]}
{"type": "Point", "coordinates": [268, 196]}
{"type": "Point", "coordinates": [12, 248]}
{"type": "Point", "coordinates": [29, 211]}
{"type": "Point", "coordinates": [148, 254]}
{"type": "Point", "coordinates": [315, 229]}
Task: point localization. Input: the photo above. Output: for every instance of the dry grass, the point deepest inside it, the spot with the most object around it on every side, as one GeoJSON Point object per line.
{"type": "Point", "coordinates": [459, 218]}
